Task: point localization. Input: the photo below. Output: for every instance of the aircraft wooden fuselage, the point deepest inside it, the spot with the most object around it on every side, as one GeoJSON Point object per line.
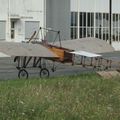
{"type": "Point", "coordinates": [64, 55]}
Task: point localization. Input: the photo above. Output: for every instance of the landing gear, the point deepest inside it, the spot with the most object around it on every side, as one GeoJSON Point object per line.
{"type": "Point", "coordinates": [37, 62]}
{"type": "Point", "coordinates": [23, 74]}
{"type": "Point", "coordinates": [44, 73]}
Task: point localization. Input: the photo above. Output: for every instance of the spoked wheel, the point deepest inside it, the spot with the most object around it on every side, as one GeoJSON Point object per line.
{"type": "Point", "coordinates": [44, 73]}
{"type": "Point", "coordinates": [23, 74]}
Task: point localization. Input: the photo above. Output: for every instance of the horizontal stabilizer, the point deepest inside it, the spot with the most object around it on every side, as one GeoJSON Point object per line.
{"type": "Point", "coordinates": [86, 54]}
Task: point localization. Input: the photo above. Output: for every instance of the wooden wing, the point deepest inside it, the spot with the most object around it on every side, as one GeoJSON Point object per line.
{"type": "Point", "coordinates": [25, 49]}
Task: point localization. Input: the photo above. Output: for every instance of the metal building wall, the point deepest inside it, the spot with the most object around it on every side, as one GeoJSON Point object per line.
{"type": "Point", "coordinates": [58, 17]}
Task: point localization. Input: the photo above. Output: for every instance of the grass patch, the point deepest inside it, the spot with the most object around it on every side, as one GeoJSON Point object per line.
{"type": "Point", "coordinates": [82, 97]}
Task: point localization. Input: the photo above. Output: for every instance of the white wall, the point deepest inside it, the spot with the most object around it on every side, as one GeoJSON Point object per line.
{"type": "Point", "coordinates": [116, 6]}
{"type": "Point", "coordinates": [3, 9]}
{"type": "Point", "coordinates": [95, 5]}
{"type": "Point", "coordinates": [25, 10]}
{"type": "Point", "coordinates": [90, 5]}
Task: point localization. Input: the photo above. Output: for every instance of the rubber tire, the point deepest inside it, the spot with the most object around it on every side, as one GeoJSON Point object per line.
{"type": "Point", "coordinates": [23, 72]}
{"type": "Point", "coordinates": [44, 71]}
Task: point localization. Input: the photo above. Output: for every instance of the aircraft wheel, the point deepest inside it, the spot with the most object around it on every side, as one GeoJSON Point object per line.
{"type": "Point", "coordinates": [23, 74]}
{"type": "Point", "coordinates": [44, 73]}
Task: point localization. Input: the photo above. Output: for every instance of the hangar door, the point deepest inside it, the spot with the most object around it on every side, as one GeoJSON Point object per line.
{"type": "Point", "coordinates": [2, 30]}
{"type": "Point", "coordinates": [30, 27]}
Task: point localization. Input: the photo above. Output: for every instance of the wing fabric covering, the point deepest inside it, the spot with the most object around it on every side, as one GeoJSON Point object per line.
{"type": "Point", "coordinates": [93, 45]}
{"type": "Point", "coordinates": [25, 49]}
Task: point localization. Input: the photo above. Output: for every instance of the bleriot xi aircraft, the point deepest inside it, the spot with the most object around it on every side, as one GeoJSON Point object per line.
{"type": "Point", "coordinates": [32, 53]}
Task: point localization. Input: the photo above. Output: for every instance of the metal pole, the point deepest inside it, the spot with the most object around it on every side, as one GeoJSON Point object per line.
{"type": "Point", "coordinates": [110, 21]}
{"type": "Point", "coordinates": [94, 18]}
{"type": "Point", "coordinates": [45, 14]}
{"type": "Point", "coordinates": [78, 20]}
{"type": "Point", "coordinates": [8, 21]}
{"type": "Point", "coordinates": [45, 2]}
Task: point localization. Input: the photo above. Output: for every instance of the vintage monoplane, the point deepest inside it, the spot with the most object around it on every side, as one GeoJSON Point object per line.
{"type": "Point", "coordinates": [31, 53]}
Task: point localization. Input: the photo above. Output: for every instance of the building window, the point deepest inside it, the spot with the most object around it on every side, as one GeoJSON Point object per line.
{"type": "Point", "coordinates": [90, 25]}
{"type": "Point", "coordinates": [74, 25]}
{"type": "Point", "coordinates": [74, 33]}
{"type": "Point", "coordinates": [82, 23]}
{"type": "Point", "coordinates": [73, 18]}
{"type": "Point", "coordinates": [95, 25]}
{"type": "Point", "coordinates": [12, 29]}
{"type": "Point", "coordinates": [115, 34]}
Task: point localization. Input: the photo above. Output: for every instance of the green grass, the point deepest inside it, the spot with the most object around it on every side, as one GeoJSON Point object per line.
{"type": "Point", "coordinates": [82, 97]}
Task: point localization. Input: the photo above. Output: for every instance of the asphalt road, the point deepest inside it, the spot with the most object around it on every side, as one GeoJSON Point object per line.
{"type": "Point", "coordinates": [8, 69]}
